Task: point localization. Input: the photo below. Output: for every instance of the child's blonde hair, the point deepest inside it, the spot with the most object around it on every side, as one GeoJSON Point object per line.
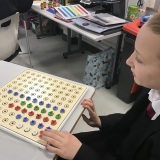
{"type": "Point", "coordinates": [154, 23]}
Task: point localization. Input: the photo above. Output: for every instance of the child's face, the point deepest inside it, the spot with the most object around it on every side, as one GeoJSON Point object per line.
{"type": "Point", "coordinates": [144, 61]}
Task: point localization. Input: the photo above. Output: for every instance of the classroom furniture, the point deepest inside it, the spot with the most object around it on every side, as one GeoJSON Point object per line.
{"type": "Point", "coordinates": [24, 15]}
{"type": "Point", "coordinates": [81, 32]}
{"type": "Point", "coordinates": [127, 89]}
{"type": "Point", "coordinates": [9, 36]}
{"type": "Point", "coordinates": [14, 148]}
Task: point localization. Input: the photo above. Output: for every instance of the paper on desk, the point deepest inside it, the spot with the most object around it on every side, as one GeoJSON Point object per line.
{"type": "Point", "coordinates": [93, 26]}
{"type": "Point", "coordinates": [105, 19]}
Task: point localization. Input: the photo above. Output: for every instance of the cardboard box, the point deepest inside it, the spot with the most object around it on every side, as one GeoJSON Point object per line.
{"type": "Point", "coordinates": [46, 27]}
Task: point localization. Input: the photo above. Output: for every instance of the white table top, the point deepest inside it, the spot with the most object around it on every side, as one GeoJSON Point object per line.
{"type": "Point", "coordinates": [12, 148]}
{"type": "Point", "coordinates": [91, 35]}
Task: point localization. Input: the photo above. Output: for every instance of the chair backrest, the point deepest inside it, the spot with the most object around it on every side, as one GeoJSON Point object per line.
{"type": "Point", "coordinates": [8, 36]}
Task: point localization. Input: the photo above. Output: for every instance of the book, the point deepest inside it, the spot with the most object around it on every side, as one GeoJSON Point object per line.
{"type": "Point", "coordinates": [88, 25]}
{"type": "Point", "coordinates": [105, 19]}
{"type": "Point", "coordinates": [72, 11]}
{"type": "Point", "coordinates": [58, 16]}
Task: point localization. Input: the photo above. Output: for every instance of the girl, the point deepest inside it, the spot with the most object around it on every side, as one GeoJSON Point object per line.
{"type": "Point", "coordinates": [131, 136]}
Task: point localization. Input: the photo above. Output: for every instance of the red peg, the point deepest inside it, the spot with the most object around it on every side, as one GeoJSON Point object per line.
{"type": "Point", "coordinates": [45, 119]}
{"type": "Point", "coordinates": [11, 105]}
{"type": "Point", "coordinates": [17, 108]}
{"type": "Point", "coordinates": [31, 113]}
{"type": "Point", "coordinates": [53, 122]}
{"type": "Point", "coordinates": [38, 116]}
{"type": "Point", "coordinates": [24, 110]}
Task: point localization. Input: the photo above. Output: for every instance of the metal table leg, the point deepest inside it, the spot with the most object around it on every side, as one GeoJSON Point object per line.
{"type": "Point", "coordinates": [116, 60]}
{"type": "Point", "coordinates": [80, 44]}
{"type": "Point", "coordinates": [27, 40]}
{"type": "Point", "coordinates": [69, 51]}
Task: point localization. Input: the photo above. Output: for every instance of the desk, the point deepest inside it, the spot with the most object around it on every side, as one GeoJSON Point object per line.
{"type": "Point", "coordinates": [81, 32]}
{"type": "Point", "coordinates": [12, 148]}
{"type": "Point", "coordinates": [91, 35]}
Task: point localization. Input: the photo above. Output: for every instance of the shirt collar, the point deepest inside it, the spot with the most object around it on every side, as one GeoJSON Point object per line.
{"type": "Point", "coordinates": [154, 97]}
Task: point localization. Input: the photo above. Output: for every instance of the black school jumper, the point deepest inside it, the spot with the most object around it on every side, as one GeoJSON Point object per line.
{"type": "Point", "coordinates": [132, 136]}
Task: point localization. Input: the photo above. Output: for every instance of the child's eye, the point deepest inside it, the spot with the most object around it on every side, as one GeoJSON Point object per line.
{"type": "Point", "coordinates": [138, 60]}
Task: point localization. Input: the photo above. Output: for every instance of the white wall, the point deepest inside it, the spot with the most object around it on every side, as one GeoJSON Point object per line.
{"type": "Point", "coordinates": [132, 2]}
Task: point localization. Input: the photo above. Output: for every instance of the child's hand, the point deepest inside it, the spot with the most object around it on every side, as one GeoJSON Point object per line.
{"type": "Point", "coordinates": [61, 143]}
{"type": "Point", "coordinates": [94, 120]}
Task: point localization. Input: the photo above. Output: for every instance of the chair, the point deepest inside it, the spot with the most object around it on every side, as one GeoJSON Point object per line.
{"type": "Point", "coordinates": [9, 48]}
{"type": "Point", "coordinates": [9, 37]}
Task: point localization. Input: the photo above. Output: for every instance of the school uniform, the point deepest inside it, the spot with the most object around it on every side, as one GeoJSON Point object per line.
{"type": "Point", "coordinates": [130, 136]}
{"type": "Point", "coordinates": [10, 7]}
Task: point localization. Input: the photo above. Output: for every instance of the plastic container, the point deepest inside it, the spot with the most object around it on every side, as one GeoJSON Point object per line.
{"type": "Point", "coordinates": [132, 13]}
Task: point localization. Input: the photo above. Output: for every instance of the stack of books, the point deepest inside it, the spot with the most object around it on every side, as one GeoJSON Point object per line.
{"type": "Point", "coordinates": [105, 19]}
{"type": "Point", "coordinates": [100, 23]}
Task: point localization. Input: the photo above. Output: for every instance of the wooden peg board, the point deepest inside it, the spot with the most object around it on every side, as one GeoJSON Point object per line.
{"type": "Point", "coordinates": [34, 101]}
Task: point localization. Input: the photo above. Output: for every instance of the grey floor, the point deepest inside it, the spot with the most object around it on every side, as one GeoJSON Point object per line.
{"type": "Point", "coordinates": [47, 56]}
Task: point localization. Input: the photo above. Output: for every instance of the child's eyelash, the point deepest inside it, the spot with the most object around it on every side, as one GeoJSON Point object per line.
{"type": "Point", "coordinates": [139, 61]}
